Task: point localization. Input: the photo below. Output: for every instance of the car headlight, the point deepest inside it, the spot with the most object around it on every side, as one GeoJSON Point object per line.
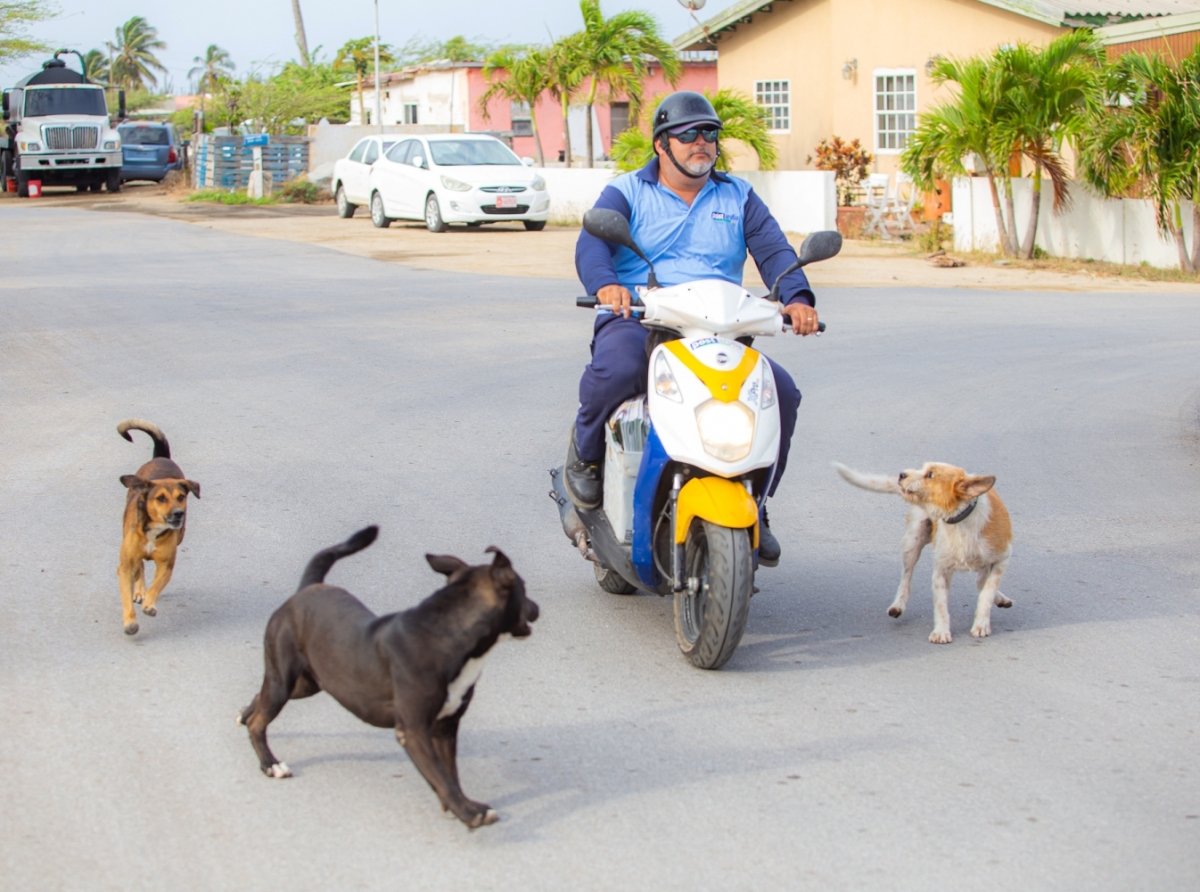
{"type": "Point", "coordinates": [456, 185]}
{"type": "Point", "coordinates": [31, 147]}
{"type": "Point", "coordinates": [111, 145]}
{"type": "Point", "coordinates": [726, 429]}
{"type": "Point", "coordinates": [664, 381]}
{"type": "Point", "coordinates": [768, 386]}
{"type": "Point", "coordinates": [538, 184]}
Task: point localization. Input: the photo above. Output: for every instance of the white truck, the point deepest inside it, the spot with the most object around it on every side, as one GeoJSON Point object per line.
{"type": "Point", "coordinates": [57, 130]}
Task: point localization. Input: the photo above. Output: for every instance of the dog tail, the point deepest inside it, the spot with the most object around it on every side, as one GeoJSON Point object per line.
{"type": "Point", "coordinates": [162, 449]}
{"type": "Point", "coordinates": [873, 482]}
{"type": "Point", "coordinates": [324, 559]}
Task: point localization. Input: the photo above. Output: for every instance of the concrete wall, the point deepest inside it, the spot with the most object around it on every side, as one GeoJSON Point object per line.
{"type": "Point", "coordinates": [1117, 230]}
{"type": "Point", "coordinates": [328, 142]}
{"type": "Point", "coordinates": [809, 41]}
{"type": "Point", "coordinates": [802, 201]}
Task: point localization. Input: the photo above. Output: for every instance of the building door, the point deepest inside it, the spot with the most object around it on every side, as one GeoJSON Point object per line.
{"type": "Point", "coordinates": [618, 119]}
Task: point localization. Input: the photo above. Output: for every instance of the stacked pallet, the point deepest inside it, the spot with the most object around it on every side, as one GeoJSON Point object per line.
{"type": "Point", "coordinates": [225, 162]}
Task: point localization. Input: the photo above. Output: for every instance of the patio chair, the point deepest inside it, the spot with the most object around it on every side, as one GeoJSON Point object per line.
{"type": "Point", "coordinates": [875, 199]}
{"type": "Point", "coordinates": [901, 205]}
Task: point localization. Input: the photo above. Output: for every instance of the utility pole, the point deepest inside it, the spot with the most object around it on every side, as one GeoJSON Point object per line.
{"type": "Point", "coordinates": [378, 91]}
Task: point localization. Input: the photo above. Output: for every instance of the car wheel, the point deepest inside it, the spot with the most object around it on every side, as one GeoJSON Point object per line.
{"type": "Point", "coordinates": [345, 208]}
{"type": "Point", "coordinates": [475, 224]}
{"type": "Point", "coordinates": [535, 225]}
{"type": "Point", "coordinates": [378, 217]}
{"type": "Point", "coordinates": [433, 215]}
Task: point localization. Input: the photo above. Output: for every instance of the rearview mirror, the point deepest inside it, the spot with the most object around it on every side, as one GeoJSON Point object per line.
{"type": "Point", "coordinates": [611, 226]}
{"type": "Point", "coordinates": [527, 161]}
{"type": "Point", "coordinates": [418, 161]}
{"type": "Point", "coordinates": [820, 246]}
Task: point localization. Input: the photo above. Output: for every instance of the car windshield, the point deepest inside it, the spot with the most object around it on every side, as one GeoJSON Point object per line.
{"type": "Point", "coordinates": [144, 136]}
{"type": "Point", "coordinates": [461, 152]}
{"type": "Point", "coordinates": [61, 101]}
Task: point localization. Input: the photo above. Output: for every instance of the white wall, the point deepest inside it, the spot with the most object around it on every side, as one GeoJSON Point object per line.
{"type": "Point", "coordinates": [802, 201]}
{"type": "Point", "coordinates": [1117, 230]}
{"type": "Point", "coordinates": [441, 96]}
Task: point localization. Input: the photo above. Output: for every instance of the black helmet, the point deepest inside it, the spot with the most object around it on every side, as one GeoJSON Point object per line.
{"type": "Point", "coordinates": [682, 108]}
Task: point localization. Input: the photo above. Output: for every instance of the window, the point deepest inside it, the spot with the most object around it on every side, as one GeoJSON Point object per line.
{"type": "Point", "coordinates": [401, 151]}
{"type": "Point", "coordinates": [460, 152]}
{"type": "Point", "coordinates": [895, 109]}
{"type": "Point", "coordinates": [618, 118]}
{"type": "Point", "coordinates": [776, 96]}
{"type": "Point", "coordinates": [372, 153]}
{"type": "Point", "coordinates": [357, 153]}
{"type": "Point", "coordinates": [143, 135]}
{"type": "Point", "coordinates": [410, 113]}
{"type": "Point", "coordinates": [522, 120]}
{"type": "Point", "coordinates": [65, 101]}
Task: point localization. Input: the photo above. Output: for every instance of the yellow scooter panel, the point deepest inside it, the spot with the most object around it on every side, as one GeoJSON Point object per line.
{"type": "Point", "coordinates": [717, 500]}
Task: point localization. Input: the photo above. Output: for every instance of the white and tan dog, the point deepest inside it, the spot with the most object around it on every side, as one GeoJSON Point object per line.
{"type": "Point", "coordinates": [968, 525]}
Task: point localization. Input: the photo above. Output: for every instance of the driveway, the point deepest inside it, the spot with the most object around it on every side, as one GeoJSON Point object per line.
{"type": "Point", "coordinates": [312, 392]}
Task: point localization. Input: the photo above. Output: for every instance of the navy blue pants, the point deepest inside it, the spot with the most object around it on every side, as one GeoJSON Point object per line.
{"type": "Point", "coordinates": [618, 373]}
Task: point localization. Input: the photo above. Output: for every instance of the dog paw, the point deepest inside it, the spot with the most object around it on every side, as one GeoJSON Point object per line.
{"type": "Point", "coordinates": [895, 611]}
{"type": "Point", "coordinates": [138, 596]}
{"type": "Point", "coordinates": [131, 629]}
{"type": "Point", "coordinates": [936, 637]}
{"type": "Point", "coordinates": [279, 769]}
{"type": "Point", "coordinates": [1001, 601]}
{"type": "Point", "coordinates": [484, 815]}
{"type": "Point", "coordinates": [150, 611]}
{"type": "Point", "coordinates": [239, 719]}
{"type": "Point", "coordinates": [981, 629]}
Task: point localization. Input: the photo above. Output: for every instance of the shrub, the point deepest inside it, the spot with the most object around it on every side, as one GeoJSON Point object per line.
{"type": "Point", "coordinates": [300, 191]}
{"type": "Point", "coordinates": [850, 164]}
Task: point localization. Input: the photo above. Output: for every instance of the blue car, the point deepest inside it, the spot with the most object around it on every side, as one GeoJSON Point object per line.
{"type": "Point", "coordinates": [149, 151]}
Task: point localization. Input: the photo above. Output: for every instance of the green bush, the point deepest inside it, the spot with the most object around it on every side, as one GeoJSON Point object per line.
{"type": "Point", "coordinates": [300, 191]}
{"type": "Point", "coordinates": [229, 197]}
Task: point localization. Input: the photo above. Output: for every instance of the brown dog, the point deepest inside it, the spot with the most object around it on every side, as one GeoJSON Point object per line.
{"type": "Point", "coordinates": [969, 526]}
{"type": "Point", "coordinates": [155, 514]}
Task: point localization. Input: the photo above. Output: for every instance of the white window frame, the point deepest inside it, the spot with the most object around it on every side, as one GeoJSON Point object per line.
{"type": "Point", "coordinates": [876, 111]}
{"type": "Point", "coordinates": [772, 88]}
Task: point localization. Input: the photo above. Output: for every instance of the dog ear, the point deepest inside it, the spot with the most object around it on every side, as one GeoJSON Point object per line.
{"type": "Point", "coordinates": [133, 481]}
{"type": "Point", "coordinates": [502, 570]}
{"type": "Point", "coordinates": [446, 564]}
{"type": "Point", "coordinates": [974, 487]}
{"type": "Point", "coordinates": [193, 487]}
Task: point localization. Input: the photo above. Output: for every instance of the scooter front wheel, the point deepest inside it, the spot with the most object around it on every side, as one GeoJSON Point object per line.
{"type": "Point", "coordinates": [711, 610]}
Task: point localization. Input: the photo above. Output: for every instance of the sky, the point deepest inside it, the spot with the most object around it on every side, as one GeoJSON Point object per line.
{"type": "Point", "coordinates": [261, 32]}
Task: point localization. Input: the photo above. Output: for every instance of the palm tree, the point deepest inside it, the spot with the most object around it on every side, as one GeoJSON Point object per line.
{"type": "Point", "coordinates": [1050, 93]}
{"type": "Point", "coordinates": [95, 66]}
{"type": "Point", "coordinates": [525, 80]}
{"type": "Point", "coordinates": [962, 127]}
{"type": "Point", "coordinates": [211, 69]}
{"type": "Point", "coordinates": [742, 119]}
{"type": "Point", "coordinates": [565, 72]}
{"type": "Point", "coordinates": [359, 56]}
{"type": "Point", "coordinates": [133, 54]}
{"type": "Point", "coordinates": [1147, 139]}
{"type": "Point", "coordinates": [615, 53]}
{"type": "Point", "coordinates": [301, 38]}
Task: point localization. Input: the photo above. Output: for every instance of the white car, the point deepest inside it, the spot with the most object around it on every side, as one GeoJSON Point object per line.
{"type": "Point", "coordinates": [350, 173]}
{"type": "Point", "coordinates": [456, 178]}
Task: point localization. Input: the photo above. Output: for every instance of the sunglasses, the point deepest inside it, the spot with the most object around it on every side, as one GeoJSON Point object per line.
{"type": "Point", "coordinates": [689, 136]}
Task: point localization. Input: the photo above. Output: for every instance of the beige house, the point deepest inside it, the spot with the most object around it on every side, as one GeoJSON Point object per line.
{"type": "Point", "coordinates": [860, 68]}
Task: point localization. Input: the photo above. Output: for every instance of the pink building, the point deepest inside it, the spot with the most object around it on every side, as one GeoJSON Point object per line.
{"type": "Point", "coordinates": [445, 96]}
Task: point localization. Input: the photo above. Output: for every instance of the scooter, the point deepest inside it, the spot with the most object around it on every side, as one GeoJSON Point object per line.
{"type": "Point", "coordinates": [688, 465]}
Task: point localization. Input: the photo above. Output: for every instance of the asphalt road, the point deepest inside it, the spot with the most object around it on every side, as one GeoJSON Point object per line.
{"type": "Point", "coordinates": [312, 392]}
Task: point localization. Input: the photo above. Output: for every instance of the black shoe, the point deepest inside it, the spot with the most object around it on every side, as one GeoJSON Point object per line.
{"type": "Point", "coordinates": [584, 479]}
{"type": "Point", "coordinates": [768, 546]}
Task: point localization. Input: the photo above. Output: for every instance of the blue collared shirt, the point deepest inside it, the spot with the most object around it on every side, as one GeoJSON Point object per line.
{"type": "Point", "coordinates": [707, 240]}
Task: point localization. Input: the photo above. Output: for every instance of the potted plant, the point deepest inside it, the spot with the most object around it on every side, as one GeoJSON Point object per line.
{"type": "Point", "coordinates": [850, 164]}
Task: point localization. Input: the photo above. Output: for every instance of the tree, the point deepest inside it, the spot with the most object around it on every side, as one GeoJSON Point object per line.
{"type": "Point", "coordinates": [95, 66]}
{"type": "Point", "coordinates": [615, 54]}
{"type": "Point", "coordinates": [211, 68]}
{"type": "Point", "coordinates": [960, 128]}
{"type": "Point", "coordinates": [524, 80]}
{"type": "Point", "coordinates": [359, 56]}
{"type": "Point", "coordinates": [741, 118]}
{"type": "Point", "coordinates": [457, 49]}
{"type": "Point", "coordinates": [15, 17]}
{"type": "Point", "coordinates": [133, 54]}
{"type": "Point", "coordinates": [1050, 94]}
{"type": "Point", "coordinates": [301, 38]}
{"type": "Point", "coordinates": [281, 103]}
{"type": "Point", "coordinates": [565, 70]}
{"type": "Point", "coordinates": [1146, 139]}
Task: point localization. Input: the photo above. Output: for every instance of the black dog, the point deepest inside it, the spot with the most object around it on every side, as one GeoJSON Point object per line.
{"type": "Point", "coordinates": [413, 671]}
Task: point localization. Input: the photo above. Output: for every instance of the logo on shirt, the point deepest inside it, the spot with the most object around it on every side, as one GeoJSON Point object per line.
{"type": "Point", "coordinates": [722, 217]}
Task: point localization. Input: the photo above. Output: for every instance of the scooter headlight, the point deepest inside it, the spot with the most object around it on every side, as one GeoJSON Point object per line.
{"type": "Point", "coordinates": [768, 386]}
{"type": "Point", "coordinates": [664, 381]}
{"type": "Point", "coordinates": [726, 429]}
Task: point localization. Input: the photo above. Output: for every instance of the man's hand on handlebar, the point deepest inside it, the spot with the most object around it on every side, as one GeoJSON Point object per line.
{"type": "Point", "coordinates": [802, 316]}
{"type": "Point", "coordinates": [617, 298]}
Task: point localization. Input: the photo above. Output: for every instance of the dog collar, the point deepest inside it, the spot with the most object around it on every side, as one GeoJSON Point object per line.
{"type": "Point", "coordinates": [964, 513]}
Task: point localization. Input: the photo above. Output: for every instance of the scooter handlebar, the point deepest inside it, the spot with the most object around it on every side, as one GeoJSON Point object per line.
{"type": "Point", "coordinates": [591, 301]}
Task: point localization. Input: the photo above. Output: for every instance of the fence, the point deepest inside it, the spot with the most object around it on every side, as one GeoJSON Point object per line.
{"type": "Point", "coordinates": [225, 162]}
{"type": "Point", "coordinates": [1117, 230]}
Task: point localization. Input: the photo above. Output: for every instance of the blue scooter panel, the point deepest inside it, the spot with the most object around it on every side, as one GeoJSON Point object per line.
{"type": "Point", "coordinates": [654, 460]}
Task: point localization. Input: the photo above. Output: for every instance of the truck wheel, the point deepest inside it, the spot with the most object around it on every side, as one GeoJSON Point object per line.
{"type": "Point", "coordinates": [22, 183]}
{"type": "Point", "coordinates": [710, 613]}
{"type": "Point", "coordinates": [612, 581]}
{"type": "Point", "coordinates": [6, 166]}
{"type": "Point", "coordinates": [345, 208]}
{"type": "Point", "coordinates": [114, 180]}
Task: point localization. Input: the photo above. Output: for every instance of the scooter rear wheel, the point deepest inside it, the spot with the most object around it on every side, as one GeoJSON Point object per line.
{"type": "Point", "coordinates": [711, 611]}
{"type": "Point", "coordinates": [612, 581]}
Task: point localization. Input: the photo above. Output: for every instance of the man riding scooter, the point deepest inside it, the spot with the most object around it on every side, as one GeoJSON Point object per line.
{"type": "Point", "coordinates": [693, 222]}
